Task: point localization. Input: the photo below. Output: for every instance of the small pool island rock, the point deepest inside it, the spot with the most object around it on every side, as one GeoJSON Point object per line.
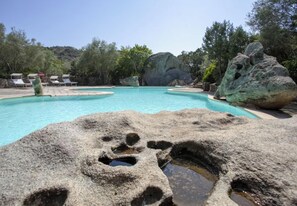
{"type": "Point", "coordinates": [117, 159]}
{"type": "Point", "coordinates": [257, 79]}
{"type": "Point", "coordinates": [130, 81]}
{"type": "Point", "coordinates": [163, 68]}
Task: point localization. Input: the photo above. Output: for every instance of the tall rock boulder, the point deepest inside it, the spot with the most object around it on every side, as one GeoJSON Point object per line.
{"type": "Point", "coordinates": [257, 79]}
{"type": "Point", "coordinates": [163, 68]}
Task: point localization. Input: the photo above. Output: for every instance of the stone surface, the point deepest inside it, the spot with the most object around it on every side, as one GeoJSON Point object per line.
{"type": "Point", "coordinates": [213, 88]}
{"type": "Point", "coordinates": [37, 86]}
{"type": "Point", "coordinates": [163, 68]}
{"type": "Point", "coordinates": [130, 81]}
{"type": "Point", "coordinates": [258, 79]}
{"type": "Point", "coordinates": [205, 86]}
{"type": "Point", "coordinates": [197, 83]}
{"type": "Point", "coordinates": [60, 163]}
{"type": "Point", "coordinates": [177, 82]}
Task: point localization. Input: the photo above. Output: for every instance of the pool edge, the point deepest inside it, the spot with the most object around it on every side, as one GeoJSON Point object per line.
{"type": "Point", "coordinates": [257, 113]}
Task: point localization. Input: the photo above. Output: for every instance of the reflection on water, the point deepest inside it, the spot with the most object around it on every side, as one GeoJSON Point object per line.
{"type": "Point", "coordinates": [121, 161]}
{"type": "Point", "coordinates": [243, 198]}
{"type": "Point", "coordinates": [115, 163]}
{"type": "Point", "coordinates": [191, 184]}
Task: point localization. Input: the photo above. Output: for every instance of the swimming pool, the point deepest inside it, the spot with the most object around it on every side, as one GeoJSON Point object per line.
{"type": "Point", "coordinates": [21, 116]}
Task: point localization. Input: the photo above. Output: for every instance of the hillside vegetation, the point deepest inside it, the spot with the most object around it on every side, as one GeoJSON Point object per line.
{"type": "Point", "coordinates": [65, 53]}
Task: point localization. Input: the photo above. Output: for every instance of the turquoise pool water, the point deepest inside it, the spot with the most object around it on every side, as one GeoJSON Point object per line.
{"type": "Point", "coordinates": [21, 116]}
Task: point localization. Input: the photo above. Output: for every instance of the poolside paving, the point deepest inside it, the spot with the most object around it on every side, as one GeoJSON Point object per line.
{"type": "Point", "coordinates": [50, 91]}
{"type": "Point", "coordinates": [286, 112]}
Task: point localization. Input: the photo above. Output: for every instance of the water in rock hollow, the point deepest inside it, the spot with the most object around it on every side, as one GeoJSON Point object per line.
{"type": "Point", "coordinates": [191, 183]}
{"type": "Point", "coordinates": [243, 198]}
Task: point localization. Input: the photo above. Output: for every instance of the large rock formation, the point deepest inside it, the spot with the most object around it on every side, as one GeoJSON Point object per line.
{"type": "Point", "coordinates": [130, 81]}
{"type": "Point", "coordinates": [163, 68]}
{"type": "Point", "coordinates": [258, 79]}
{"type": "Point", "coordinates": [67, 163]}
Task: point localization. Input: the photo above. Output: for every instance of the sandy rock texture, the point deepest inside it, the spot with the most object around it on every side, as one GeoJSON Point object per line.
{"type": "Point", "coordinates": [163, 68]}
{"type": "Point", "coordinates": [66, 163]}
{"type": "Point", "coordinates": [258, 79]}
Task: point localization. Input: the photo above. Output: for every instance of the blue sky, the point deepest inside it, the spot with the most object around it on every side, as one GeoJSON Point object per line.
{"type": "Point", "coordinates": [163, 25]}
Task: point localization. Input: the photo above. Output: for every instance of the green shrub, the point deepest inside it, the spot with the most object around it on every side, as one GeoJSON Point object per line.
{"type": "Point", "coordinates": [291, 65]}
{"type": "Point", "coordinates": [208, 75]}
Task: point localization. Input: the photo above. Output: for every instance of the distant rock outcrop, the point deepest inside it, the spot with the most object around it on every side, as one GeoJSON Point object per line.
{"type": "Point", "coordinates": [257, 79]}
{"type": "Point", "coordinates": [116, 159]}
{"type": "Point", "coordinates": [163, 68]}
{"type": "Point", "coordinates": [130, 81]}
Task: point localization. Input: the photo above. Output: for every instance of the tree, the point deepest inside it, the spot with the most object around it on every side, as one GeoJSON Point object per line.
{"type": "Point", "coordinates": [194, 61]}
{"type": "Point", "coordinates": [222, 42]}
{"type": "Point", "coordinates": [2, 62]}
{"type": "Point", "coordinates": [209, 73]}
{"type": "Point", "coordinates": [19, 54]}
{"type": "Point", "coordinates": [34, 57]}
{"type": "Point", "coordinates": [130, 62]}
{"type": "Point", "coordinates": [98, 59]}
{"type": "Point", "coordinates": [238, 41]}
{"type": "Point", "coordinates": [52, 65]}
{"type": "Point", "coordinates": [276, 23]}
{"type": "Point", "coordinates": [2, 33]}
{"type": "Point", "coordinates": [14, 51]}
{"type": "Point", "coordinates": [216, 42]}
{"type": "Point", "coordinates": [273, 13]}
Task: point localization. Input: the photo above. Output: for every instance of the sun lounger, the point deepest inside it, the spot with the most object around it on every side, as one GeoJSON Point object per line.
{"type": "Point", "coordinates": [55, 82]}
{"type": "Point", "coordinates": [31, 78]}
{"type": "Point", "coordinates": [44, 83]}
{"type": "Point", "coordinates": [67, 81]}
{"type": "Point", "coordinates": [17, 80]}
